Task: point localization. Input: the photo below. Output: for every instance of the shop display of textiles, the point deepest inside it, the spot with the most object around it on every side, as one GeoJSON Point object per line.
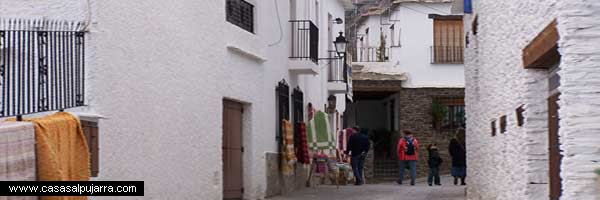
{"type": "Point", "coordinates": [319, 133]}
{"type": "Point", "coordinates": [61, 150]}
{"type": "Point", "coordinates": [288, 155]}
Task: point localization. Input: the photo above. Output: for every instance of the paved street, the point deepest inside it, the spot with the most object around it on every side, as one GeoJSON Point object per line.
{"type": "Point", "coordinates": [383, 191]}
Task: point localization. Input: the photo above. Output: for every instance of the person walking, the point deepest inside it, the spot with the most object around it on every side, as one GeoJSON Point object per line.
{"type": "Point", "coordinates": [408, 152]}
{"type": "Point", "coordinates": [459, 157]}
{"type": "Point", "coordinates": [358, 146]}
{"type": "Point", "coordinates": [434, 163]}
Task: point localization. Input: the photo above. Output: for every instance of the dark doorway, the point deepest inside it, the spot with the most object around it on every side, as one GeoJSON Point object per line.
{"type": "Point", "coordinates": [232, 150]}
{"type": "Point", "coordinates": [555, 156]}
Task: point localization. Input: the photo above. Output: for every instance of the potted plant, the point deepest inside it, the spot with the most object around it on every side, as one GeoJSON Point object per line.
{"type": "Point", "coordinates": [438, 112]}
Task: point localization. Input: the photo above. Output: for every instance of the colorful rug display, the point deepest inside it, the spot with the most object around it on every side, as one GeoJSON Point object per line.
{"type": "Point", "coordinates": [319, 133]}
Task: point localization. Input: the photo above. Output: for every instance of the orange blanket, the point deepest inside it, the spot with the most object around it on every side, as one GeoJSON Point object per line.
{"type": "Point", "coordinates": [62, 151]}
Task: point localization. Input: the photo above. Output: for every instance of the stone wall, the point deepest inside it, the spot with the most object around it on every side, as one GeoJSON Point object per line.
{"type": "Point", "coordinates": [414, 106]}
{"type": "Point", "coordinates": [277, 184]}
{"type": "Point", "coordinates": [579, 28]}
{"type": "Point", "coordinates": [497, 84]}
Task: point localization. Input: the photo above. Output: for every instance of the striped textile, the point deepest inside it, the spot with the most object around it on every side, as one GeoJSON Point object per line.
{"type": "Point", "coordinates": [288, 154]}
{"type": "Point", "coordinates": [319, 133]}
{"type": "Point", "coordinates": [17, 154]}
{"type": "Point", "coordinates": [302, 150]}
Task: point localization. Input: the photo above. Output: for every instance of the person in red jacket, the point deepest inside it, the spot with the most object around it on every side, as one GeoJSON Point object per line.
{"type": "Point", "coordinates": [408, 152]}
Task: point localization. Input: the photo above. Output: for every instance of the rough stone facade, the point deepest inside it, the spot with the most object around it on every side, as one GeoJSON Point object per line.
{"type": "Point", "coordinates": [497, 84]}
{"type": "Point", "coordinates": [414, 106]}
{"type": "Point", "coordinates": [278, 184]}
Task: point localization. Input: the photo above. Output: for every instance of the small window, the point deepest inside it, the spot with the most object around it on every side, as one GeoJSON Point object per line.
{"type": "Point", "coordinates": [90, 131]}
{"type": "Point", "coordinates": [475, 25]}
{"type": "Point", "coordinates": [494, 128]}
{"type": "Point", "coordinates": [520, 117]}
{"type": "Point", "coordinates": [392, 35]}
{"type": "Point", "coordinates": [454, 117]}
{"type": "Point", "coordinates": [241, 13]}
{"type": "Point", "coordinates": [503, 124]}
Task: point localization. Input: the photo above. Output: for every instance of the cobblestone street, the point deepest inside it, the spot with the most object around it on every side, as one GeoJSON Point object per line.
{"type": "Point", "coordinates": [383, 191]}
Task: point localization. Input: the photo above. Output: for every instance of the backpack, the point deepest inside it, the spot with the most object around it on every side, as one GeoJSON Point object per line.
{"type": "Point", "coordinates": [410, 146]}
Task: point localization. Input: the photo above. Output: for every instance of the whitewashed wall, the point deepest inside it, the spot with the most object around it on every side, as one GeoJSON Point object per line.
{"type": "Point", "coordinates": [411, 54]}
{"type": "Point", "coordinates": [497, 84]}
{"type": "Point", "coordinates": [159, 73]}
{"type": "Point", "coordinates": [578, 25]}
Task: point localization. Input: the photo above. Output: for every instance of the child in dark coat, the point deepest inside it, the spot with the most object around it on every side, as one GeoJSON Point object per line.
{"type": "Point", "coordinates": [434, 163]}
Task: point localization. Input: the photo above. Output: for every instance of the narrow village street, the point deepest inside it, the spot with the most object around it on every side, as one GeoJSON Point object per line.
{"type": "Point", "coordinates": [286, 99]}
{"type": "Point", "coordinates": [382, 191]}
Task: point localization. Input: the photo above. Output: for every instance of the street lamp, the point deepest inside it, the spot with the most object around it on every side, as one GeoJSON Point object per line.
{"type": "Point", "coordinates": [340, 45]}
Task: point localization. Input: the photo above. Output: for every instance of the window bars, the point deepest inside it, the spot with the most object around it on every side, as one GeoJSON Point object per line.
{"type": "Point", "coordinates": [297, 113]}
{"type": "Point", "coordinates": [337, 69]}
{"type": "Point", "coordinates": [283, 106]}
{"type": "Point", "coordinates": [240, 13]}
{"type": "Point", "coordinates": [305, 40]}
{"type": "Point", "coordinates": [42, 66]}
{"type": "Point", "coordinates": [374, 54]}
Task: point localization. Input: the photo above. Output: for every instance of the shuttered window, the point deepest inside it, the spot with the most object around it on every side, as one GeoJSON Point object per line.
{"type": "Point", "coordinates": [447, 41]}
{"type": "Point", "coordinates": [240, 13]}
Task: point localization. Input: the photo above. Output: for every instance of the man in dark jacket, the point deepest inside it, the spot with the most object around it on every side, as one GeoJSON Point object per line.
{"type": "Point", "coordinates": [358, 146]}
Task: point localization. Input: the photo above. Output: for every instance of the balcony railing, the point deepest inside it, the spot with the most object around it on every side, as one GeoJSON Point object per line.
{"type": "Point", "coordinates": [337, 70]}
{"type": "Point", "coordinates": [447, 54]}
{"type": "Point", "coordinates": [41, 66]}
{"type": "Point", "coordinates": [373, 54]}
{"type": "Point", "coordinates": [305, 40]}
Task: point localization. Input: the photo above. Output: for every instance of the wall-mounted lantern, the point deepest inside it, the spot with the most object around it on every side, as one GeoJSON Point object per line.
{"type": "Point", "coordinates": [338, 21]}
{"type": "Point", "coordinates": [340, 45]}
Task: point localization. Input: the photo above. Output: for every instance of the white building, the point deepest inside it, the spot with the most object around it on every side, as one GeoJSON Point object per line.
{"type": "Point", "coordinates": [531, 97]}
{"type": "Point", "coordinates": [408, 54]}
{"type": "Point", "coordinates": [163, 73]}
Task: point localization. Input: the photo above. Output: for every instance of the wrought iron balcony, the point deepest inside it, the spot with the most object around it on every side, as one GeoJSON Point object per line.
{"type": "Point", "coordinates": [447, 54]}
{"type": "Point", "coordinates": [373, 54]}
{"type": "Point", "coordinates": [337, 70]}
{"type": "Point", "coordinates": [305, 40]}
{"type": "Point", "coordinates": [42, 66]}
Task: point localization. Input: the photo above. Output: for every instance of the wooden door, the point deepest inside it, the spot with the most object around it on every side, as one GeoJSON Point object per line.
{"type": "Point", "coordinates": [554, 147]}
{"type": "Point", "coordinates": [232, 150]}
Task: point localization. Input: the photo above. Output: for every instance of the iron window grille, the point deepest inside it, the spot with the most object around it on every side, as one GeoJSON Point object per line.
{"type": "Point", "coordinates": [241, 13]}
{"type": "Point", "coordinates": [305, 40]}
{"type": "Point", "coordinates": [42, 66]}
{"type": "Point", "coordinates": [297, 113]}
{"type": "Point", "coordinates": [283, 106]}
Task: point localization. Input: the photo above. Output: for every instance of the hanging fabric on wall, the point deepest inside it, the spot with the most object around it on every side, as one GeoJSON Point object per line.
{"type": "Point", "coordinates": [302, 149]}
{"type": "Point", "coordinates": [288, 155]}
{"type": "Point", "coordinates": [17, 147]}
{"type": "Point", "coordinates": [319, 133]}
{"type": "Point", "coordinates": [343, 137]}
{"type": "Point", "coordinates": [62, 151]}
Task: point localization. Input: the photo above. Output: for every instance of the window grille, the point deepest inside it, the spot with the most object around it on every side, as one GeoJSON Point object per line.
{"type": "Point", "coordinates": [283, 106]}
{"type": "Point", "coordinates": [42, 66]}
{"type": "Point", "coordinates": [240, 13]}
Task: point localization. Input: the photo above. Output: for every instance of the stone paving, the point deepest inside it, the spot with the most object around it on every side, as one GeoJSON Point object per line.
{"type": "Point", "coordinates": [383, 191]}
